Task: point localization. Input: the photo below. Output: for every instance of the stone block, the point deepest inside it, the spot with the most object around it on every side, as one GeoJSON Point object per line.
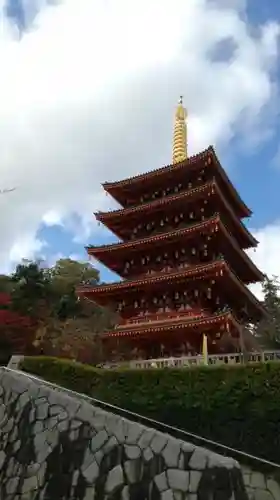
{"type": "Point", "coordinates": [274, 488]}
{"type": "Point", "coordinates": [91, 473]}
{"type": "Point", "coordinates": [178, 479]}
{"type": "Point", "coordinates": [195, 477]}
{"type": "Point", "coordinates": [115, 479]}
{"type": "Point", "coordinates": [171, 453]}
{"type": "Point", "coordinates": [199, 459]}
{"type": "Point", "coordinates": [132, 452]}
{"type": "Point", "coordinates": [99, 440]}
{"type": "Point", "coordinates": [258, 481]}
{"type": "Point", "coordinates": [161, 481]}
{"type": "Point", "coordinates": [158, 442]}
{"type": "Point", "coordinates": [167, 495]}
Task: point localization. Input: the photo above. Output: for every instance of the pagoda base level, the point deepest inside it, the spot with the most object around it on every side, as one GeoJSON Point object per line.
{"type": "Point", "coordinates": [223, 333]}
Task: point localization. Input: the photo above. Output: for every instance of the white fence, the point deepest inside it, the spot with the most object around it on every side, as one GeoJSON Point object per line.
{"type": "Point", "coordinates": [214, 359]}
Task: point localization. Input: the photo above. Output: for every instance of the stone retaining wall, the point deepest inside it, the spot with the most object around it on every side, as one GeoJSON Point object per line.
{"type": "Point", "coordinates": [54, 446]}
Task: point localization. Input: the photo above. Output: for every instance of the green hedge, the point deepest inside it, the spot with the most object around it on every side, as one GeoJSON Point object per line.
{"type": "Point", "coordinates": [237, 406]}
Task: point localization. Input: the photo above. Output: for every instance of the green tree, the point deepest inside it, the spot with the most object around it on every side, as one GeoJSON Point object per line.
{"type": "Point", "coordinates": [6, 283]}
{"type": "Point", "coordinates": [31, 291]}
{"type": "Point", "coordinates": [65, 276]}
{"type": "Point", "coordinates": [66, 325]}
{"type": "Point", "coordinates": [267, 331]}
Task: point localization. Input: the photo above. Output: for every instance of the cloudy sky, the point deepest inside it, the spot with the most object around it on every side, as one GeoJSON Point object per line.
{"type": "Point", "coordinates": [87, 94]}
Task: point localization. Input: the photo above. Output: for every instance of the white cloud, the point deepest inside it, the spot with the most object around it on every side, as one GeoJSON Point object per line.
{"type": "Point", "coordinates": [267, 254]}
{"type": "Point", "coordinates": [88, 95]}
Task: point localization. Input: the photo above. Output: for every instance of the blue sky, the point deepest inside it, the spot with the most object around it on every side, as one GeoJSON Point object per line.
{"type": "Point", "coordinates": [246, 135]}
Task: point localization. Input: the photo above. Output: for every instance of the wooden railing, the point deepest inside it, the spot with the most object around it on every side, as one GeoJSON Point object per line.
{"type": "Point", "coordinates": [164, 316]}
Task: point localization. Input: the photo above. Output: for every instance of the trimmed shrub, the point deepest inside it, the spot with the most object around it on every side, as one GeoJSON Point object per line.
{"type": "Point", "coordinates": [238, 406]}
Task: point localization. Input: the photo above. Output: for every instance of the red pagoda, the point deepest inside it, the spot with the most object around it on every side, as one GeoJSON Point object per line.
{"type": "Point", "coordinates": [181, 256]}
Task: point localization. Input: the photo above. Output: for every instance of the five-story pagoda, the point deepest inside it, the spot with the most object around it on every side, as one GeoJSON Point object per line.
{"type": "Point", "coordinates": [181, 256]}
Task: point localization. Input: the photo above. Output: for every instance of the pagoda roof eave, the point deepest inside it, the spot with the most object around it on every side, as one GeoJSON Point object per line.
{"type": "Point", "coordinates": [102, 252]}
{"type": "Point", "coordinates": [215, 269]}
{"type": "Point", "coordinates": [187, 324]}
{"type": "Point", "coordinates": [212, 187]}
{"type": "Point", "coordinates": [192, 161]}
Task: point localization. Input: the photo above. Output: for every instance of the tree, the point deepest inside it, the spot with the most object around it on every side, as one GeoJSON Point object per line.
{"type": "Point", "coordinates": [66, 325]}
{"type": "Point", "coordinates": [65, 276]}
{"type": "Point", "coordinates": [32, 291]}
{"type": "Point", "coordinates": [268, 330]}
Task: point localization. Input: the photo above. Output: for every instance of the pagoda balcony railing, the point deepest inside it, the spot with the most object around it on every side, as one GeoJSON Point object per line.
{"type": "Point", "coordinates": [213, 359]}
{"type": "Point", "coordinates": [164, 316]}
{"type": "Point", "coordinates": [188, 361]}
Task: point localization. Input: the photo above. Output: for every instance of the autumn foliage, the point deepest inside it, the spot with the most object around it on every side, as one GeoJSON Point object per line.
{"type": "Point", "coordinates": [41, 314]}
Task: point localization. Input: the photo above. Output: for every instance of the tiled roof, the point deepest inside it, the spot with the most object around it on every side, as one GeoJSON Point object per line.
{"type": "Point", "coordinates": [208, 188]}
{"type": "Point", "coordinates": [215, 269]}
{"type": "Point", "coordinates": [199, 226]}
{"type": "Point", "coordinates": [185, 324]}
{"type": "Point", "coordinates": [159, 171]}
{"type": "Point", "coordinates": [192, 161]}
{"type": "Point", "coordinates": [143, 243]}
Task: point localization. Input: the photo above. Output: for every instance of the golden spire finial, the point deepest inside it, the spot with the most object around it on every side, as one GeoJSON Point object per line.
{"type": "Point", "coordinates": [180, 133]}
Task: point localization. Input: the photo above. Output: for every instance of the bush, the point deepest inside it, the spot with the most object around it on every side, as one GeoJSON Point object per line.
{"type": "Point", "coordinates": [238, 406]}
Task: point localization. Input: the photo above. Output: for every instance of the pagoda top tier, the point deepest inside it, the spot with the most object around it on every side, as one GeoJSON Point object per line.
{"type": "Point", "coordinates": [174, 173]}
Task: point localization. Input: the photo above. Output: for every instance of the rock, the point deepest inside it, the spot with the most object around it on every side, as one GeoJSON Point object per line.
{"type": "Point", "coordinates": [2, 458]}
{"type": "Point", "coordinates": [133, 470]}
{"type": "Point", "coordinates": [167, 495]}
{"type": "Point", "coordinates": [42, 411]}
{"type": "Point", "coordinates": [115, 479]}
{"type": "Point", "coordinates": [158, 443]}
{"type": "Point", "coordinates": [171, 453]}
{"type": "Point", "coordinates": [258, 481]}
{"type": "Point", "coordinates": [198, 459]}
{"type": "Point", "coordinates": [148, 454]}
{"type": "Point", "coordinates": [195, 477]}
{"type": "Point", "coordinates": [146, 438]}
{"type": "Point", "coordinates": [178, 479]}
{"type": "Point", "coordinates": [262, 495]}
{"type": "Point", "coordinates": [91, 473]}
{"type": "Point", "coordinates": [161, 481]}
{"type": "Point", "coordinates": [134, 433]}
{"type": "Point", "coordinates": [132, 452]}
{"type": "Point", "coordinates": [98, 440]}
{"type": "Point", "coordinates": [11, 485]}
{"type": "Point", "coordinates": [273, 487]}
